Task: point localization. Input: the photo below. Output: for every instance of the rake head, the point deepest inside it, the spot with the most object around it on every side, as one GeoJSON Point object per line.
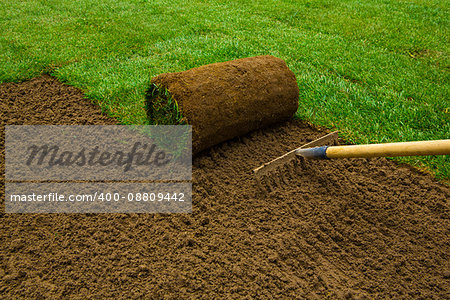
{"type": "Point", "coordinates": [283, 160]}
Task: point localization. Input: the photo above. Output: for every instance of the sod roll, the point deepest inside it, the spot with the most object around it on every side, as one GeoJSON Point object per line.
{"type": "Point", "coordinates": [224, 100]}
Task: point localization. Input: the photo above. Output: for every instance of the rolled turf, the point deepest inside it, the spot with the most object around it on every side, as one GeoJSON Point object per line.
{"type": "Point", "coordinates": [224, 100]}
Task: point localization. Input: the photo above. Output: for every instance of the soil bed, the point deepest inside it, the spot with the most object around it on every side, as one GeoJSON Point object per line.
{"type": "Point", "coordinates": [344, 228]}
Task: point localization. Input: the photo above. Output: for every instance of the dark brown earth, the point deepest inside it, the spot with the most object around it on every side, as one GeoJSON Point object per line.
{"type": "Point", "coordinates": [229, 99]}
{"type": "Point", "coordinates": [326, 229]}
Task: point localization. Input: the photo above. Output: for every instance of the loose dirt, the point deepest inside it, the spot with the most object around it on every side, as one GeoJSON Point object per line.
{"type": "Point", "coordinates": [324, 229]}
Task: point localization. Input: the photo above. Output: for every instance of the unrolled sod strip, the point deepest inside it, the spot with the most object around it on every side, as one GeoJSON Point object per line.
{"type": "Point", "coordinates": [224, 100]}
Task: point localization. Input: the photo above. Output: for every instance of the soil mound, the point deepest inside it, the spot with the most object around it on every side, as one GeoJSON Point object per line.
{"type": "Point", "coordinates": [324, 229]}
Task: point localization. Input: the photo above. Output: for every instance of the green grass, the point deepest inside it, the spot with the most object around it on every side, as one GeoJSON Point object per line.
{"type": "Point", "coordinates": [161, 108]}
{"type": "Point", "coordinates": [376, 70]}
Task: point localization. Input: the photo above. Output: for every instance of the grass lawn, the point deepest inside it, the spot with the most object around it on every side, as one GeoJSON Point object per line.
{"type": "Point", "coordinates": [378, 70]}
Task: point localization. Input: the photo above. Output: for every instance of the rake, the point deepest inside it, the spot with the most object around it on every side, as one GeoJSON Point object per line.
{"type": "Point", "coordinates": [321, 149]}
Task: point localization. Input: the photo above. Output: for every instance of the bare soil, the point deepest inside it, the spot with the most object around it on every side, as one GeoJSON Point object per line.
{"type": "Point", "coordinates": [352, 228]}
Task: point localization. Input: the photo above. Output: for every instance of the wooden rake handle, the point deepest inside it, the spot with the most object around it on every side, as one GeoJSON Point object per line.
{"type": "Point", "coordinates": [437, 147]}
